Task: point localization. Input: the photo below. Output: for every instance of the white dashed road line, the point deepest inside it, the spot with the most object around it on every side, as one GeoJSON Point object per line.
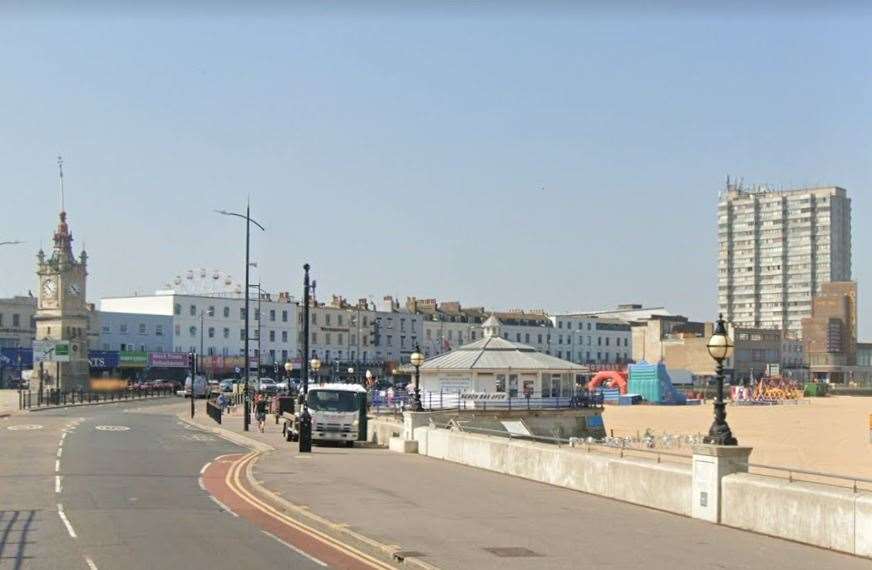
{"type": "Point", "coordinates": [58, 487]}
{"type": "Point", "coordinates": [90, 563]}
{"type": "Point", "coordinates": [222, 506]}
{"type": "Point", "coordinates": [60, 452]}
{"type": "Point", "coordinates": [57, 465]}
{"type": "Point", "coordinates": [295, 549]}
{"type": "Point", "coordinates": [66, 521]}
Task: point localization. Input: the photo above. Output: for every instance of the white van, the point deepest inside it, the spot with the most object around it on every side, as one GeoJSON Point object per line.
{"type": "Point", "coordinates": [201, 387]}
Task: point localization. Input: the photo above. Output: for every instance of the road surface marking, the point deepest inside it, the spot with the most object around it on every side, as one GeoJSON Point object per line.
{"type": "Point", "coordinates": [202, 485]}
{"type": "Point", "coordinates": [60, 452]}
{"type": "Point", "coordinates": [63, 436]}
{"type": "Point", "coordinates": [57, 465]}
{"type": "Point", "coordinates": [233, 481]}
{"type": "Point", "coordinates": [57, 483]}
{"type": "Point", "coordinates": [66, 521]}
{"type": "Point", "coordinates": [90, 563]}
{"type": "Point", "coordinates": [203, 470]}
{"type": "Point", "coordinates": [112, 428]}
{"type": "Point", "coordinates": [295, 549]}
{"type": "Point", "coordinates": [24, 427]}
{"type": "Point", "coordinates": [222, 506]}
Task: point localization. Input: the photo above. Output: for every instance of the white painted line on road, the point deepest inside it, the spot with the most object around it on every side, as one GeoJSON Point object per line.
{"type": "Point", "coordinates": [58, 484]}
{"type": "Point", "coordinates": [90, 563]}
{"type": "Point", "coordinates": [202, 485]}
{"type": "Point", "coordinates": [222, 506]}
{"type": "Point", "coordinates": [66, 521]}
{"type": "Point", "coordinates": [203, 470]}
{"type": "Point", "coordinates": [63, 437]}
{"type": "Point", "coordinates": [60, 452]}
{"type": "Point", "coordinates": [57, 465]}
{"type": "Point", "coordinates": [295, 549]}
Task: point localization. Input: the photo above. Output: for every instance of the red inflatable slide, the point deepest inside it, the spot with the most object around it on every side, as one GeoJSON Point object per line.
{"type": "Point", "coordinates": [610, 378]}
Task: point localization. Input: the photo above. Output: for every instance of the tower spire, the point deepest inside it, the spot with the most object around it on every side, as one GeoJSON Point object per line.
{"type": "Point", "coordinates": [61, 177]}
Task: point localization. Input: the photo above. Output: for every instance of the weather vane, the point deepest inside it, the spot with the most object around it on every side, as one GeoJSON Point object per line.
{"type": "Point", "coordinates": [61, 174]}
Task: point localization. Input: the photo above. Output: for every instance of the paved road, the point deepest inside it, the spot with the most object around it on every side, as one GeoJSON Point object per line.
{"type": "Point", "coordinates": [117, 486]}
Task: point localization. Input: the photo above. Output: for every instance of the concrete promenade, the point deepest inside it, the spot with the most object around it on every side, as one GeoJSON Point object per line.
{"type": "Point", "coordinates": [451, 516]}
{"type": "Point", "coordinates": [8, 402]}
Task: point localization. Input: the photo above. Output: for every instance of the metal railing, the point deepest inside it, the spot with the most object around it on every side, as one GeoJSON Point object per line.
{"type": "Point", "coordinates": [437, 401]}
{"type": "Point", "coordinates": [53, 398]}
{"type": "Point", "coordinates": [796, 475]}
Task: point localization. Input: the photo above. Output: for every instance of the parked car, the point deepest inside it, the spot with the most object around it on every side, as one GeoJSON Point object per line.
{"type": "Point", "coordinates": [282, 386]}
{"type": "Point", "coordinates": [226, 386]}
{"type": "Point", "coordinates": [267, 386]}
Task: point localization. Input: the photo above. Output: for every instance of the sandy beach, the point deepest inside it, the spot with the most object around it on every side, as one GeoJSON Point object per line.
{"type": "Point", "coordinates": [820, 434]}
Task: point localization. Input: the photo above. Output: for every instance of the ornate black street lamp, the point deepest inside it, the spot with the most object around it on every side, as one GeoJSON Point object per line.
{"type": "Point", "coordinates": [305, 417]}
{"type": "Point", "coordinates": [720, 347]}
{"type": "Point", "coordinates": [417, 359]}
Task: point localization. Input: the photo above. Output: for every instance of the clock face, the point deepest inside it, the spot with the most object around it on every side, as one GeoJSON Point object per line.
{"type": "Point", "coordinates": [75, 289]}
{"type": "Point", "coordinates": [49, 288]}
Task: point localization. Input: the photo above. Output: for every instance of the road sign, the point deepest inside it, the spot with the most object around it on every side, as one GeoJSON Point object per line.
{"type": "Point", "coordinates": [61, 351]}
{"type": "Point", "coordinates": [51, 351]}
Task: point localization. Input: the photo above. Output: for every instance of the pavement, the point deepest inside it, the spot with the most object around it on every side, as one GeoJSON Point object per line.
{"type": "Point", "coordinates": [450, 516]}
{"type": "Point", "coordinates": [119, 486]}
{"type": "Point", "coordinates": [8, 402]}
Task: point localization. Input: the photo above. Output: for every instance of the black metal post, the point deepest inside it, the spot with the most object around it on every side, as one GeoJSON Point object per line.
{"type": "Point", "coordinates": [305, 418]}
{"type": "Point", "coordinates": [41, 376]}
{"type": "Point", "coordinates": [416, 398]}
{"type": "Point", "coordinates": [245, 407]}
{"type": "Point", "coordinates": [720, 433]}
{"type": "Point", "coordinates": [193, 379]}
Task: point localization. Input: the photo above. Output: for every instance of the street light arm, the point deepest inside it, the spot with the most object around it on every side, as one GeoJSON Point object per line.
{"type": "Point", "coordinates": [13, 242]}
{"type": "Point", "coordinates": [243, 216]}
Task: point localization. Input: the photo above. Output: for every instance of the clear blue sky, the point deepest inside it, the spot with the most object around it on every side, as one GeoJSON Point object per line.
{"type": "Point", "coordinates": [507, 157]}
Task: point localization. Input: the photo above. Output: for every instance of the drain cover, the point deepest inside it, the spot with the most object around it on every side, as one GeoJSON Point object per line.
{"type": "Point", "coordinates": [512, 552]}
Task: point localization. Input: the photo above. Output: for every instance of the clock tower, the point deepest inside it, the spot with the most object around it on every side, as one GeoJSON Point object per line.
{"type": "Point", "coordinates": [62, 313]}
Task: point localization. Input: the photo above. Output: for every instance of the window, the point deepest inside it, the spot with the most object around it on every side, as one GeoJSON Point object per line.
{"type": "Point", "coordinates": [518, 337]}
{"type": "Point", "coordinates": [141, 328]}
{"type": "Point", "coordinates": [339, 319]}
{"type": "Point", "coordinates": [390, 340]}
{"type": "Point", "coordinates": [501, 383]}
{"type": "Point", "coordinates": [226, 312]}
{"type": "Point", "coordinates": [607, 341]}
{"type": "Point", "coordinates": [339, 338]}
{"type": "Point", "coordinates": [242, 335]}
{"type": "Point", "coordinates": [272, 336]}
{"type": "Point", "coordinates": [513, 385]}
{"type": "Point", "coordinates": [105, 327]}
{"type": "Point", "coordinates": [272, 315]}
{"type": "Point", "coordinates": [327, 338]}
{"type": "Point", "coordinates": [158, 330]}
{"type": "Point", "coordinates": [257, 314]}
{"type": "Point", "coordinates": [16, 320]}
{"type": "Point", "coordinates": [178, 331]}
{"type": "Point", "coordinates": [314, 338]}
{"type": "Point", "coordinates": [284, 316]}
{"type": "Point", "coordinates": [242, 314]}
{"type": "Point", "coordinates": [193, 311]}
{"type": "Point", "coordinates": [429, 334]}
{"type": "Point", "coordinates": [284, 356]}
{"type": "Point", "coordinates": [226, 332]}
{"type": "Point", "coordinates": [284, 336]}
{"type": "Point", "coordinates": [177, 309]}
{"type": "Point", "coordinates": [123, 328]}
{"type": "Point", "coordinates": [192, 331]}
{"type": "Point", "coordinates": [327, 319]}
{"type": "Point", "coordinates": [211, 332]}
{"type": "Point", "coordinates": [211, 311]}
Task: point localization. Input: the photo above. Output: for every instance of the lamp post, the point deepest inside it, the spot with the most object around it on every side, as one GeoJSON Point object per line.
{"type": "Point", "coordinates": [315, 365]}
{"type": "Point", "coordinates": [305, 417]}
{"type": "Point", "coordinates": [720, 347]}
{"type": "Point", "coordinates": [248, 221]}
{"type": "Point", "coordinates": [289, 367]}
{"type": "Point", "coordinates": [417, 359]}
{"type": "Point", "coordinates": [351, 373]}
{"type": "Point", "coordinates": [193, 359]}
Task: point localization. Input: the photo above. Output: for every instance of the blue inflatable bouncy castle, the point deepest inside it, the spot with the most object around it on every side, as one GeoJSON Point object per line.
{"type": "Point", "coordinates": [652, 382]}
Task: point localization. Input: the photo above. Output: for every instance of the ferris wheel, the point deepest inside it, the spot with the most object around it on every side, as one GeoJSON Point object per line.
{"type": "Point", "coordinates": [204, 282]}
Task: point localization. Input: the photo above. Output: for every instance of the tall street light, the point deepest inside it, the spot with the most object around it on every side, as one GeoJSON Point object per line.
{"type": "Point", "coordinates": [248, 221]}
{"type": "Point", "coordinates": [305, 417]}
{"type": "Point", "coordinates": [720, 347]}
{"type": "Point", "coordinates": [417, 359]}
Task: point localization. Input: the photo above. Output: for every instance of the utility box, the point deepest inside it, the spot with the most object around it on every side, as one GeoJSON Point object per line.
{"type": "Point", "coordinates": [711, 463]}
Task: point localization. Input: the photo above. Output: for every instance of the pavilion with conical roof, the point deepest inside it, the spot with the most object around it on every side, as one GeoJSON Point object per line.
{"type": "Point", "coordinates": [495, 365]}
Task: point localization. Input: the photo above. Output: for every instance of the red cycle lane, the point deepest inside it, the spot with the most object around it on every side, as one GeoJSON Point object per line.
{"type": "Point", "coordinates": [225, 479]}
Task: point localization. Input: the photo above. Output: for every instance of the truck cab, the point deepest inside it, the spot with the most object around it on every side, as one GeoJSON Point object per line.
{"type": "Point", "coordinates": [335, 411]}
